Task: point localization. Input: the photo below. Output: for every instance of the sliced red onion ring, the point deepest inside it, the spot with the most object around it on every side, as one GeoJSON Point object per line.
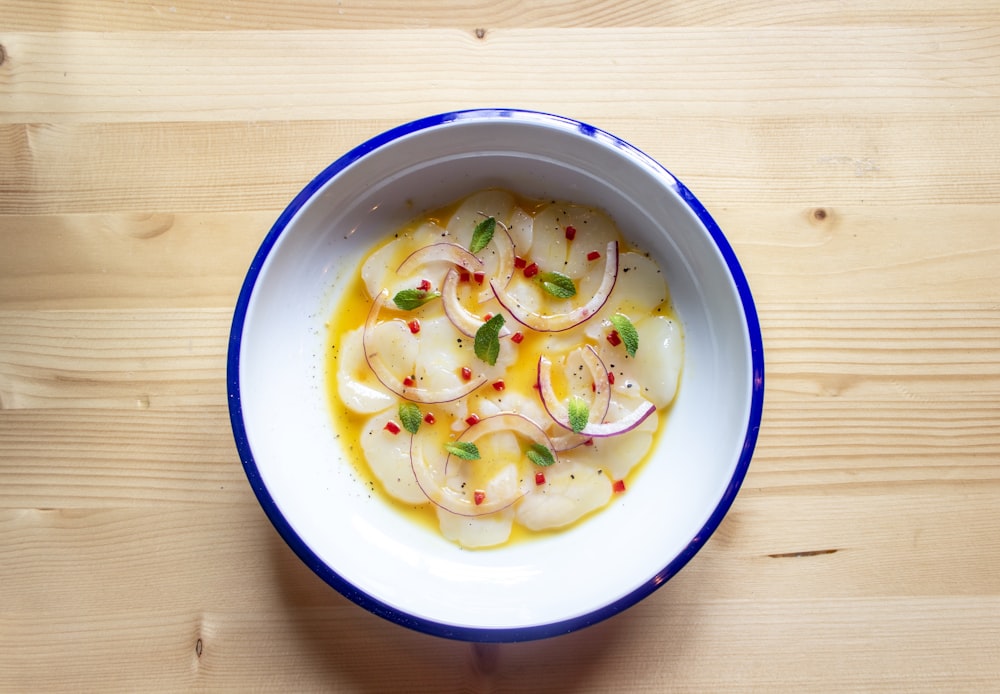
{"type": "Point", "coordinates": [505, 261]}
{"type": "Point", "coordinates": [433, 482]}
{"type": "Point", "coordinates": [392, 382]}
{"type": "Point", "coordinates": [465, 321]}
{"type": "Point", "coordinates": [444, 251]}
{"type": "Point", "coordinates": [557, 322]}
{"type": "Point", "coordinates": [557, 410]}
{"type": "Point", "coordinates": [594, 429]}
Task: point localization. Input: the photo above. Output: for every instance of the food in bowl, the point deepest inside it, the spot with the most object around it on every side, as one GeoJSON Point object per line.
{"type": "Point", "coordinates": [504, 363]}
{"type": "Point", "coordinates": [380, 558]}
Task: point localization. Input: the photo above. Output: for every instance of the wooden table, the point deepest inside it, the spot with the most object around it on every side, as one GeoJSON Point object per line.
{"type": "Point", "coordinates": [851, 152]}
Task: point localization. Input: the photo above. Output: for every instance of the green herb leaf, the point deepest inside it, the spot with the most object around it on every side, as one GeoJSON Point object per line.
{"type": "Point", "coordinates": [462, 449]}
{"type": "Point", "coordinates": [579, 413]}
{"type": "Point", "coordinates": [540, 455]}
{"type": "Point", "coordinates": [409, 415]}
{"type": "Point", "coordinates": [409, 299]}
{"type": "Point", "coordinates": [627, 332]}
{"type": "Point", "coordinates": [557, 284]}
{"type": "Point", "coordinates": [482, 234]}
{"type": "Point", "coordinates": [487, 343]}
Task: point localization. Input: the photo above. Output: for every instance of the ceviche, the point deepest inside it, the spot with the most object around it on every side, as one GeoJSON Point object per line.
{"type": "Point", "coordinates": [504, 363]}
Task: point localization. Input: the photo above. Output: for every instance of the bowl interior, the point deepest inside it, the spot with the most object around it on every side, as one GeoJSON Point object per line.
{"type": "Point", "coordinates": [351, 536]}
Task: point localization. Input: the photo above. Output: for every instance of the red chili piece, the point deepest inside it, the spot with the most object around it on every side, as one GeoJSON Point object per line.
{"type": "Point", "coordinates": [466, 373]}
{"type": "Point", "coordinates": [479, 496]}
{"type": "Point", "coordinates": [487, 316]}
{"type": "Point", "coordinates": [414, 326]}
{"type": "Point", "coordinates": [429, 418]}
{"type": "Point", "coordinates": [539, 478]}
{"type": "Point", "coordinates": [464, 276]}
{"type": "Point", "coordinates": [479, 277]}
{"type": "Point", "coordinates": [517, 338]}
{"type": "Point", "coordinates": [531, 270]}
{"type": "Point", "coordinates": [472, 419]}
{"type": "Point", "coordinates": [618, 487]}
{"type": "Point", "coordinates": [520, 263]}
{"type": "Point", "coordinates": [391, 427]}
{"type": "Point", "coordinates": [409, 382]}
{"type": "Point", "coordinates": [614, 338]}
{"type": "Point", "coordinates": [570, 233]}
{"type": "Point", "coordinates": [588, 442]}
{"type": "Point", "coordinates": [611, 378]}
{"type": "Point", "coordinates": [499, 385]}
{"type": "Point", "coordinates": [593, 255]}
{"type": "Point", "coordinates": [424, 286]}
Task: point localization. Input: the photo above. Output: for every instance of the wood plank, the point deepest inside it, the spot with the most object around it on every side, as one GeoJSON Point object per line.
{"type": "Point", "coordinates": [216, 15]}
{"type": "Point", "coordinates": [795, 163]}
{"type": "Point", "coordinates": [307, 75]}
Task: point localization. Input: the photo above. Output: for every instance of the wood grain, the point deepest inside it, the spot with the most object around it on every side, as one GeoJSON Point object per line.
{"type": "Point", "coordinates": [849, 150]}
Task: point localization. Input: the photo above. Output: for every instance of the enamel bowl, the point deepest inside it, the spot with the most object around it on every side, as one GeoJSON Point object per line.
{"type": "Point", "coordinates": [351, 537]}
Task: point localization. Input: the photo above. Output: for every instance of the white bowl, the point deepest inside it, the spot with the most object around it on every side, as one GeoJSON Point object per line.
{"type": "Point", "coordinates": [283, 425]}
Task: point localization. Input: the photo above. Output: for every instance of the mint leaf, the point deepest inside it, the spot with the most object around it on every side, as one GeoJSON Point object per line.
{"type": "Point", "coordinates": [627, 332]}
{"type": "Point", "coordinates": [540, 455]}
{"type": "Point", "coordinates": [557, 284]}
{"type": "Point", "coordinates": [579, 414]}
{"type": "Point", "coordinates": [462, 449]}
{"type": "Point", "coordinates": [409, 299]}
{"type": "Point", "coordinates": [487, 343]}
{"type": "Point", "coordinates": [482, 234]}
{"type": "Point", "coordinates": [409, 415]}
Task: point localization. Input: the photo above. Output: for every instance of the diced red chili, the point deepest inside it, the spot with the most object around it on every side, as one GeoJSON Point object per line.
{"type": "Point", "coordinates": [611, 378]}
{"type": "Point", "coordinates": [424, 286]}
{"type": "Point", "coordinates": [391, 427]}
{"type": "Point", "coordinates": [539, 477]}
{"type": "Point", "coordinates": [414, 326]}
{"type": "Point", "coordinates": [479, 277]}
{"type": "Point", "coordinates": [429, 418]}
{"type": "Point", "coordinates": [618, 486]}
{"type": "Point", "coordinates": [593, 255]}
{"type": "Point", "coordinates": [464, 276]}
{"type": "Point", "coordinates": [472, 419]}
{"type": "Point", "coordinates": [499, 385]}
{"type": "Point", "coordinates": [517, 338]}
{"type": "Point", "coordinates": [466, 373]}
{"type": "Point", "coordinates": [487, 316]}
{"type": "Point", "coordinates": [570, 233]}
{"type": "Point", "coordinates": [409, 382]}
{"type": "Point", "coordinates": [531, 270]}
{"type": "Point", "coordinates": [479, 496]}
{"type": "Point", "coordinates": [520, 263]}
{"type": "Point", "coordinates": [593, 387]}
{"type": "Point", "coordinates": [614, 338]}
{"type": "Point", "coordinates": [588, 442]}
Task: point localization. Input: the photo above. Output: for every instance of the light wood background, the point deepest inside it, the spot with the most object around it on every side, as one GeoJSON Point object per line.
{"type": "Point", "coordinates": [849, 148]}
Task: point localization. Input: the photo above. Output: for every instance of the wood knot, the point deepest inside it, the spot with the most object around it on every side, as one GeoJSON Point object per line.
{"type": "Point", "coordinates": [819, 214]}
{"type": "Point", "coordinates": [3, 54]}
{"type": "Point", "coordinates": [199, 648]}
{"type": "Point", "coordinates": [480, 33]}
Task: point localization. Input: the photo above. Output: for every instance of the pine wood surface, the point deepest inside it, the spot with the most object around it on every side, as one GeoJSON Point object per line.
{"type": "Point", "coordinates": [849, 150]}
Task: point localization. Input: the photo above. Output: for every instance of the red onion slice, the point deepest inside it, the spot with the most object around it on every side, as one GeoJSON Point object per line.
{"type": "Point", "coordinates": [602, 392]}
{"type": "Point", "coordinates": [557, 322]}
{"type": "Point", "coordinates": [432, 480]}
{"type": "Point", "coordinates": [465, 321]}
{"type": "Point", "coordinates": [448, 252]}
{"type": "Point", "coordinates": [392, 382]}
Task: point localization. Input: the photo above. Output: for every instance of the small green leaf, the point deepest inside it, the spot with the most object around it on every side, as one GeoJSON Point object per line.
{"type": "Point", "coordinates": [462, 449]}
{"type": "Point", "coordinates": [409, 299]}
{"type": "Point", "coordinates": [409, 415]}
{"type": "Point", "coordinates": [487, 343]}
{"type": "Point", "coordinates": [627, 332]}
{"type": "Point", "coordinates": [540, 455]}
{"type": "Point", "coordinates": [482, 234]}
{"type": "Point", "coordinates": [579, 413]}
{"type": "Point", "coordinates": [557, 284]}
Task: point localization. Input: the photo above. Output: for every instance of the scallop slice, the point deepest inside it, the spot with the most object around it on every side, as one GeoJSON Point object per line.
{"type": "Point", "coordinates": [388, 457]}
{"type": "Point", "coordinates": [521, 231]}
{"type": "Point", "coordinates": [480, 531]}
{"type": "Point", "coordinates": [477, 207]}
{"type": "Point", "coordinates": [639, 289]}
{"type": "Point", "coordinates": [379, 270]}
{"type": "Point", "coordinates": [617, 455]}
{"type": "Point", "coordinates": [571, 490]}
{"type": "Point", "coordinates": [594, 230]}
{"type": "Point", "coordinates": [359, 389]}
{"type": "Point", "coordinates": [655, 370]}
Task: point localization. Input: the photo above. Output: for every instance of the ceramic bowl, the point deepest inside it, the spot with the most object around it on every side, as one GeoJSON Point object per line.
{"type": "Point", "coordinates": [353, 539]}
